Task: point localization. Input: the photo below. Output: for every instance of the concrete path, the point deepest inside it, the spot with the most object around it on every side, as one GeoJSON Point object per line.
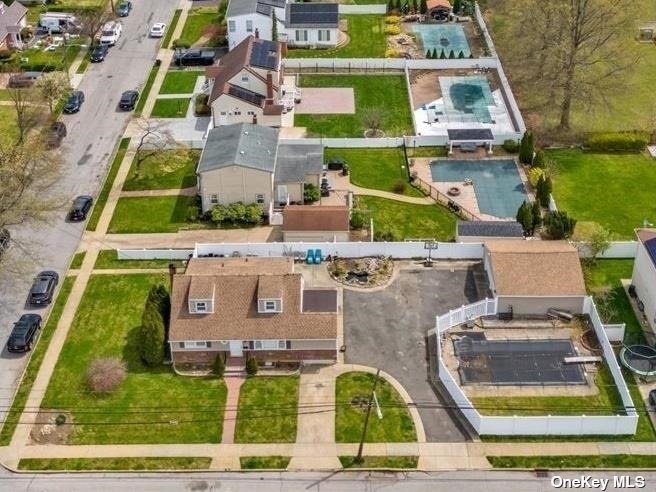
{"type": "Point", "coordinates": [233, 383]}
{"type": "Point", "coordinates": [316, 393]}
{"type": "Point", "coordinates": [191, 191]}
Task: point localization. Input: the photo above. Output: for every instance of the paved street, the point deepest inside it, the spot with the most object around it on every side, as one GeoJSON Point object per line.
{"type": "Point", "coordinates": [92, 135]}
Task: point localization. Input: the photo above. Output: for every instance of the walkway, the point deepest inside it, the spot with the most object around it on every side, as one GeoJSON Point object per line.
{"type": "Point", "coordinates": [191, 191]}
{"type": "Point", "coordinates": [233, 384]}
{"type": "Point", "coordinates": [341, 183]}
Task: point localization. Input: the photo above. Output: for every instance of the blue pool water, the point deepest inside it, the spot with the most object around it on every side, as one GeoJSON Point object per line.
{"type": "Point", "coordinates": [498, 187]}
{"type": "Point", "coordinates": [467, 98]}
{"type": "Point", "coordinates": [445, 37]}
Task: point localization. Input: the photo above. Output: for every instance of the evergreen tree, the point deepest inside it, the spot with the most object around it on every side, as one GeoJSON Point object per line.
{"type": "Point", "coordinates": [443, 55]}
{"type": "Point", "coordinates": [461, 55]}
{"type": "Point", "coordinates": [543, 190]}
{"type": "Point", "coordinates": [452, 55]}
{"type": "Point", "coordinates": [153, 332]}
{"type": "Point", "coordinates": [538, 159]}
{"type": "Point", "coordinates": [428, 54]}
{"type": "Point", "coordinates": [525, 217]}
{"type": "Point", "coordinates": [434, 54]}
{"type": "Point", "coordinates": [251, 366]}
{"type": "Point", "coordinates": [218, 368]}
{"type": "Point", "coordinates": [559, 225]}
{"type": "Point", "coordinates": [537, 215]}
{"type": "Point", "coordinates": [274, 25]}
{"type": "Point", "coordinates": [415, 8]}
{"type": "Point", "coordinates": [423, 8]}
{"type": "Point", "coordinates": [457, 5]}
{"type": "Point", "coordinates": [390, 6]}
{"type": "Point", "coordinates": [526, 148]}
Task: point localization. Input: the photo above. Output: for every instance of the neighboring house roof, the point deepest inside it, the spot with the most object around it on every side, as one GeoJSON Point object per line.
{"type": "Point", "coordinates": [490, 228]}
{"type": "Point", "coordinates": [240, 144]}
{"type": "Point", "coordinates": [320, 15]}
{"type": "Point", "coordinates": [315, 218]}
{"type": "Point", "coordinates": [472, 134]}
{"type": "Point", "coordinates": [535, 268]}
{"type": "Point", "coordinates": [432, 4]}
{"type": "Point", "coordinates": [245, 7]}
{"type": "Point", "coordinates": [648, 238]}
{"type": "Point", "coordinates": [235, 315]}
{"type": "Point", "coordinates": [294, 161]}
{"type": "Point", "coordinates": [10, 17]}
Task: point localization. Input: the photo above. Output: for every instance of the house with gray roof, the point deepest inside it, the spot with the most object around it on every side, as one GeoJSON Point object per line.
{"type": "Point", "coordinates": [247, 163]}
{"type": "Point", "coordinates": [13, 19]}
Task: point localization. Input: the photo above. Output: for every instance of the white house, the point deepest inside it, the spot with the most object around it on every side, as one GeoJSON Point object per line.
{"type": "Point", "coordinates": [299, 24]}
{"type": "Point", "coordinates": [13, 19]}
{"type": "Point", "coordinates": [644, 274]}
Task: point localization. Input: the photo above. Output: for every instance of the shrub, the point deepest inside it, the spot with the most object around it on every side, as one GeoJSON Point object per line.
{"type": "Point", "coordinates": [539, 159]}
{"type": "Point", "coordinates": [311, 193]}
{"type": "Point", "coordinates": [105, 375]}
{"type": "Point", "coordinates": [534, 175]}
{"type": "Point", "coordinates": [526, 148]}
{"type": "Point", "coordinates": [236, 212]}
{"type": "Point", "coordinates": [391, 53]}
{"type": "Point", "coordinates": [218, 368]}
{"type": "Point", "coordinates": [392, 30]}
{"type": "Point", "coordinates": [154, 326]}
{"type": "Point", "coordinates": [399, 186]}
{"type": "Point", "coordinates": [543, 190]}
{"type": "Point", "coordinates": [60, 419]}
{"type": "Point", "coordinates": [253, 214]}
{"type": "Point", "coordinates": [201, 108]}
{"type": "Point", "coordinates": [525, 217]}
{"type": "Point", "coordinates": [251, 366]}
{"type": "Point", "coordinates": [537, 215]}
{"type": "Point", "coordinates": [559, 225]}
{"type": "Point", "coordinates": [617, 142]}
{"type": "Point", "coordinates": [510, 146]}
{"type": "Point", "coordinates": [358, 218]}
{"type": "Point", "coordinates": [392, 19]}
{"type": "Point", "coordinates": [180, 44]}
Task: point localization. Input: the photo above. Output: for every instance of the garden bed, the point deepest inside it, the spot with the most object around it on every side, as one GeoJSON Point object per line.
{"type": "Point", "coordinates": [362, 272]}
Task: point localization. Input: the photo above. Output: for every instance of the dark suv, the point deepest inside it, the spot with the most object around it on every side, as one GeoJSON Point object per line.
{"type": "Point", "coordinates": [193, 57]}
{"type": "Point", "coordinates": [81, 206]}
{"type": "Point", "coordinates": [98, 53]}
{"type": "Point", "coordinates": [128, 100]}
{"type": "Point", "coordinates": [56, 134]}
{"type": "Point", "coordinates": [23, 334]}
{"type": "Point", "coordinates": [74, 102]}
{"type": "Point", "coordinates": [43, 288]}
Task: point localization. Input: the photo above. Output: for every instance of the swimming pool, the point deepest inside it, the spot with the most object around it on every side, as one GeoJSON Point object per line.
{"type": "Point", "coordinates": [467, 98]}
{"type": "Point", "coordinates": [498, 187]}
{"type": "Point", "coordinates": [443, 37]}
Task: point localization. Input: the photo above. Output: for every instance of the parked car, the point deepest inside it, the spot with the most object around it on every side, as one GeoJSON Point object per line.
{"type": "Point", "coordinates": [111, 32]}
{"type": "Point", "coordinates": [157, 30]}
{"type": "Point", "coordinates": [652, 398]}
{"type": "Point", "coordinates": [43, 288]}
{"type": "Point", "coordinates": [188, 58]}
{"type": "Point", "coordinates": [123, 9]}
{"type": "Point", "coordinates": [74, 102]}
{"type": "Point", "coordinates": [128, 100]}
{"type": "Point", "coordinates": [80, 209]}
{"type": "Point", "coordinates": [23, 334]}
{"type": "Point", "coordinates": [22, 80]}
{"type": "Point", "coordinates": [56, 134]}
{"type": "Point", "coordinates": [5, 239]}
{"type": "Point", "coordinates": [98, 53]}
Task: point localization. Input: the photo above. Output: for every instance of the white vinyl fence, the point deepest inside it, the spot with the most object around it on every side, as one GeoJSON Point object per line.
{"type": "Point", "coordinates": [307, 65]}
{"type": "Point", "coordinates": [154, 254]}
{"type": "Point", "coordinates": [617, 249]}
{"type": "Point", "coordinates": [515, 425]}
{"type": "Point", "coordinates": [379, 8]}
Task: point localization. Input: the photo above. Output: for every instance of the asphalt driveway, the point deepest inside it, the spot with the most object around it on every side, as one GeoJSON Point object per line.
{"type": "Point", "coordinates": [387, 329]}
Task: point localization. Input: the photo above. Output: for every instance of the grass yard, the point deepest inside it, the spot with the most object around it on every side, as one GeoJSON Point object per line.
{"type": "Point", "coordinates": [153, 214]}
{"type": "Point", "coordinates": [379, 169]}
{"type": "Point", "coordinates": [198, 25]}
{"type": "Point", "coordinates": [37, 59]}
{"type": "Point", "coordinates": [427, 151]}
{"type": "Point", "coordinates": [99, 204]}
{"type": "Point", "coordinates": [8, 128]}
{"type": "Point", "coordinates": [264, 462]}
{"type": "Point", "coordinates": [171, 108]}
{"type": "Point", "coordinates": [170, 28]}
{"type": "Point", "coordinates": [77, 260]}
{"type": "Point", "coordinates": [108, 260]}
{"type": "Point", "coordinates": [400, 462]}
{"type": "Point", "coordinates": [145, 91]}
{"type": "Point", "coordinates": [400, 220]}
{"type": "Point", "coordinates": [611, 189]}
{"type": "Point", "coordinates": [33, 366]}
{"type": "Point", "coordinates": [396, 425]}
{"type": "Point", "coordinates": [575, 461]}
{"type": "Point", "coordinates": [366, 40]}
{"type": "Point", "coordinates": [152, 405]}
{"type": "Point", "coordinates": [385, 93]}
{"type": "Point", "coordinates": [113, 464]}
{"type": "Point", "coordinates": [166, 169]}
{"type": "Point", "coordinates": [267, 410]}
{"type": "Point", "coordinates": [180, 81]}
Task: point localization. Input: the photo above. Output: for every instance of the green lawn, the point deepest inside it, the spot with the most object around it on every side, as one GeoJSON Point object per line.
{"type": "Point", "coordinates": [171, 108]}
{"type": "Point", "coordinates": [171, 27]}
{"type": "Point", "coordinates": [153, 214]}
{"type": "Point", "coordinates": [575, 461]}
{"type": "Point", "coordinates": [152, 405]}
{"type": "Point", "coordinates": [37, 59]}
{"type": "Point", "coordinates": [267, 410]}
{"type": "Point", "coordinates": [77, 260]}
{"type": "Point", "coordinates": [366, 40]}
{"type": "Point", "coordinates": [108, 260]}
{"type": "Point", "coordinates": [180, 81]}
{"type": "Point", "coordinates": [611, 189]}
{"type": "Point", "coordinates": [199, 22]}
{"type": "Point", "coordinates": [107, 184]}
{"type": "Point", "coordinates": [145, 91]}
{"type": "Point", "coordinates": [166, 169]}
{"type": "Point", "coordinates": [8, 128]}
{"type": "Point", "coordinates": [264, 462]}
{"type": "Point", "coordinates": [385, 93]}
{"type": "Point", "coordinates": [427, 151]}
{"type": "Point", "coordinates": [33, 366]}
{"type": "Point", "coordinates": [114, 464]}
{"type": "Point", "coordinates": [400, 221]}
{"type": "Point", "coordinates": [396, 425]}
{"type": "Point", "coordinates": [400, 462]}
{"type": "Point", "coordinates": [378, 169]}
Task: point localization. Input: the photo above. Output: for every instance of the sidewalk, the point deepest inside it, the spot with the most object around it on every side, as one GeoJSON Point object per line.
{"type": "Point", "coordinates": [233, 384]}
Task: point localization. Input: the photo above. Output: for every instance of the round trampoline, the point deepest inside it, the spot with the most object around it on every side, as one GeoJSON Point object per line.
{"type": "Point", "coordinates": [641, 359]}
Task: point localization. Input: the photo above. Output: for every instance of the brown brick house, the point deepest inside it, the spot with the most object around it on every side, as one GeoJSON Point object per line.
{"type": "Point", "coordinates": [250, 307]}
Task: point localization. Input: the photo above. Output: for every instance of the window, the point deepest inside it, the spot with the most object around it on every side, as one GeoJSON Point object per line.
{"type": "Point", "coordinates": [214, 199]}
{"type": "Point", "coordinates": [259, 198]}
{"type": "Point", "coordinates": [195, 344]}
{"type": "Point", "coordinates": [244, 78]}
{"type": "Point", "coordinates": [251, 113]}
{"type": "Point", "coordinates": [324, 34]}
{"type": "Point", "coordinates": [269, 344]}
{"type": "Point", "coordinates": [249, 26]}
{"type": "Point", "coordinates": [201, 307]}
{"type": "Point", "coordinates": [223, 113]}
{"type": "Point", "coordinates": [270, 305]}
{"type": "Point", "coordinates": [301, 35]}
{"type": "Point", "coordinates": [246, 345]}
{"type": "Point", "coordinates": [237, 112]}
{"type": "Point", "coordinates": [282, 344]}
{"type": "Point", "coordinates": [231, 26]}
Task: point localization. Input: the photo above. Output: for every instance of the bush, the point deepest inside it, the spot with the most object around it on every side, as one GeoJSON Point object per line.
{"type": "Point", "coordinates": [180, 44]}
{"type": "Point", "coordinates": [237, 213]}
{"type": "Point", "coordinates": [105, 375]}
{"type": "Point", "coordinates": [543, 190]}
{"type": "Point", "coordinates": [311, 193]}
{"type": "Point", "coordinates": [154, 326]}
{"type": "Point", "coordinates": [539, 159]}
{"type": "Point", "coordinates": [392, 19]}
{"type": "Point", "coordinates": [559, 225]}
{"type": "Point", "coordinates": [525, 217]}
{"type": "Point", "coordinates": [399, 186]}
{"type": "Point", "coordinates": [534, 175]}
{"type": "Point", "coordinates": [391, 53]}
{"type": "Point", "coordinates": [218, 368]}
{"type": "Point", "coordinates": [201, 108]}
{"type": "Point", "coordinates": [526, 148]}
{"type": "Point", "coordinates": [510, 146]}
{"type": "Point", "coordinates": [617, 142]}
{"type": "Point", "coordinates": [358, 219]}
{"type": "Point", "coordinates": [253, 214]}
{"type": "Point", "coordinates": [251, 366]}
{"type": "Point", "coordinates": [392, 30]}
{"type": "Point", "coordinates": [60, 419]}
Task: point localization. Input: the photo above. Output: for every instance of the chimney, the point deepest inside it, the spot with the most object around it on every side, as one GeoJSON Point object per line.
{"type": "Point", "coordinates": [269, 86]}
{"type": "Point", "coordinates": [255, 119]}
{"type": "Point", "coordinates": [257, 33]}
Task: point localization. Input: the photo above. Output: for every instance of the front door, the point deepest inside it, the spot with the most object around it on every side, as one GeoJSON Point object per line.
{"type": "Point", "coordinates": [236, 349]}
{"type": "Point", "coordinates": [282, 194]}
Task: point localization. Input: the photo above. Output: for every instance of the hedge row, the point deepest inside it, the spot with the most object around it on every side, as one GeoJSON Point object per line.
{"type": "Point", "coordinates": [617, 142]}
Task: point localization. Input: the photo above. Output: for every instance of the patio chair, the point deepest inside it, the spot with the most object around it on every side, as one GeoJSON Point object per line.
{"type": "Point", "coordinates": [309, 257]}
{"type": "Point", "coordinates": [318, 256]}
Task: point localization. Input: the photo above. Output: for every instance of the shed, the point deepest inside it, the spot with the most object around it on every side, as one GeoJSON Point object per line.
{"type": "Point", "coordinates": [314, 223]}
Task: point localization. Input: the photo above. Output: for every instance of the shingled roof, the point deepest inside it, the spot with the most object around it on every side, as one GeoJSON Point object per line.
{"type": "Point", "coordinates": [315, 218]}
{"type": "Point", "coordinates": [490, 228]}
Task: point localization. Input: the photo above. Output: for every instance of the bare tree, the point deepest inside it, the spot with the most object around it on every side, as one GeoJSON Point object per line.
{"type": "Point", "coordinates": [373, 120]}
{"type": "Point", "coordinates": [155, 138]}
{"type": "Point", "coordinates": [51, 87]}
{"type": "Point", "coordinates": [91, 21]}
{"type": "Point", "coordinates": [26, 111]}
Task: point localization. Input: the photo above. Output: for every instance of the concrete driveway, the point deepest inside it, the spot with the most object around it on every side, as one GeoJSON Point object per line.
{"type": "Point", "coordinates": [387, 329]}
{"type": "Point", "coordinates": [92, 135]}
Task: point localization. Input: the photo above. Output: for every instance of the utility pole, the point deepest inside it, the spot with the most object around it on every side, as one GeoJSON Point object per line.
{"type": "Point", "coordinates": [358, 458]}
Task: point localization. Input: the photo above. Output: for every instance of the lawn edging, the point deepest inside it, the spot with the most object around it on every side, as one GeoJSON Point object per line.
{"type": "Point", "coordinates": [84, 465]}
{"type": "Point", "coordinates": [577, 462]}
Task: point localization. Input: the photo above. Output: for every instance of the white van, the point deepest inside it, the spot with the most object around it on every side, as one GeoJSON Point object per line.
{"type": "Point", "coordinates": [110, 33]}
{"type": "Point", "coordinates": [57, 22]}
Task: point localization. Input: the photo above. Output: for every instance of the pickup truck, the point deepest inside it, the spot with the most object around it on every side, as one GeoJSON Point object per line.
{"type": "Point", "coordinates": [188, 58]}
{"type": "Point", "coordinates": [110, 33]}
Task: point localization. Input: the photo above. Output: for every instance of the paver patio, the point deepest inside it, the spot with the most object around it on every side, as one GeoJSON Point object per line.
{"type": "Point", "coordinates": [327, 100]}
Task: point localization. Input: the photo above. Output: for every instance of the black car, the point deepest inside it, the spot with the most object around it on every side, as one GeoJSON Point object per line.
{"type": "Point", "coordinates": [128, 100]}
{"type": "Point", "coordinates": [123, 9]}
{"type": "Point", "coordinates": [23, 334]}
{"type": "Point", "coordinates": [5, 239]}
{"type": "Point", "coordinates": [74, 102]}
{"type": "Point", "coordinates": [188, 58]}
{"type": "Point", "coordinates": [81, 206]}
{"type": "Point", "coordinates": [652, 398]}
{"type": "Point", "coordinates": [98, 53]}
{"type": "Point", "coordinates": [56, 134]}
{"type": "Point", "coordinates": [43, 287]}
